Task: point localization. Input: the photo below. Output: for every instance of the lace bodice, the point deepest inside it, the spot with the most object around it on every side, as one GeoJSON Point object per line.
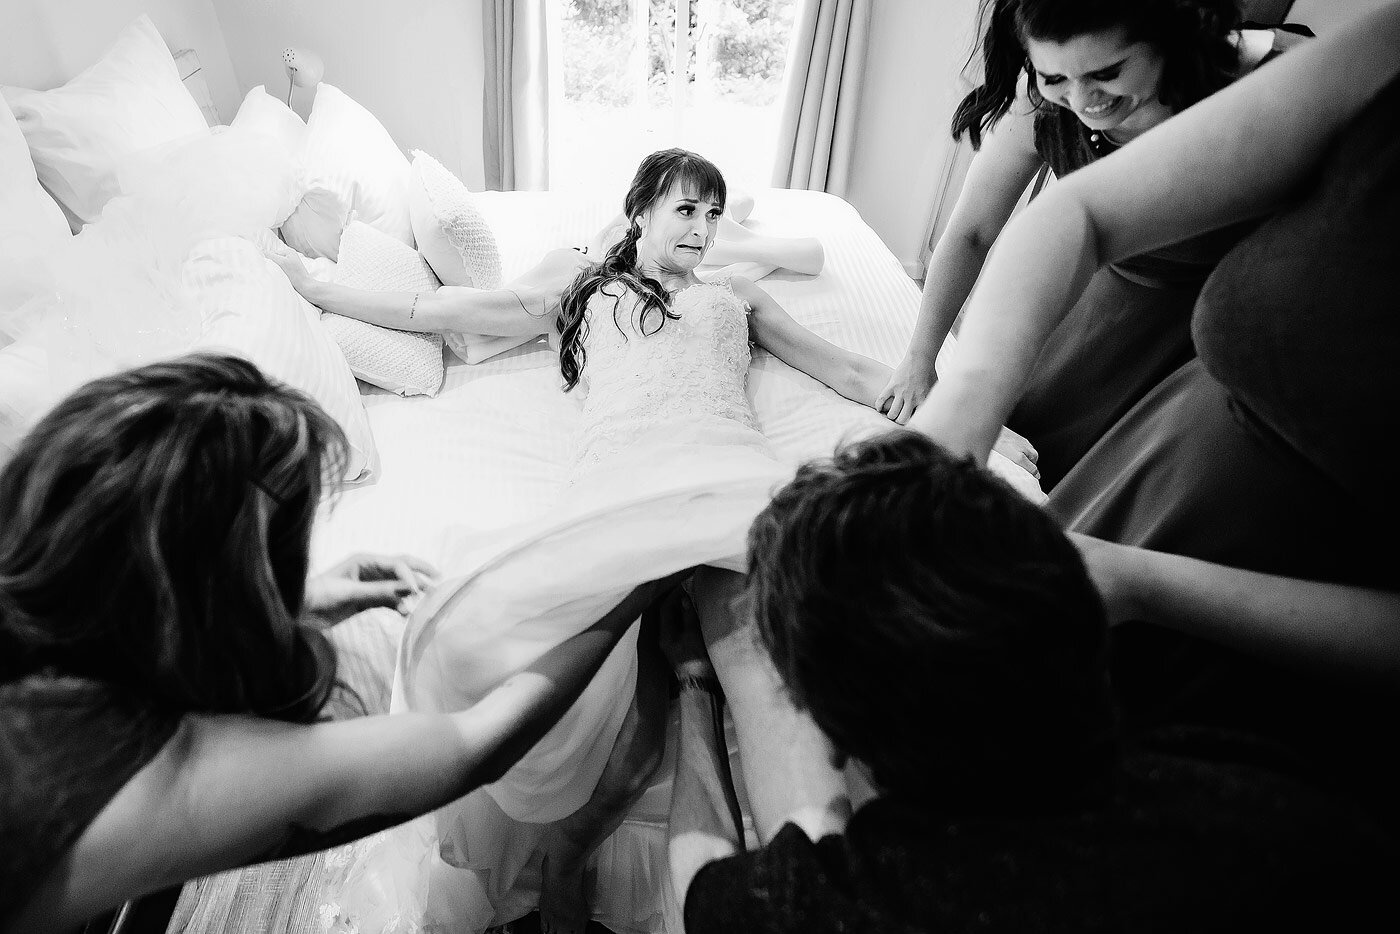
{"type": "Point", "coordinates": [692, 368]}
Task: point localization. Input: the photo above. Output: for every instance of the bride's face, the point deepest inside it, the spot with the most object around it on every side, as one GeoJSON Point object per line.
{"type": "Point", "coordinates": [677, 231]}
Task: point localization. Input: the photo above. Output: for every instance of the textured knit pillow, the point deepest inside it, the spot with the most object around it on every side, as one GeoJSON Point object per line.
{"type": "Point", "coordinates": [450, 231]}
{"type": "Point", "coordinates": [404, 362]}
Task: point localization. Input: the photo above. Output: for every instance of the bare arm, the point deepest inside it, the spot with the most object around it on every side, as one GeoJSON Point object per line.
{"type": "Point", "coordinates": [996, 179]}
{"type": "Point", "coordinates": [852, 375]}
{"type": "Point", "coordinates": [522, 308]}
{"type": "Point", "coordinates": [1335, 629]}
{"type": "Point", "coordinates": [231, 790]}
{"type": "Point", "coordinates": [1235, 155]}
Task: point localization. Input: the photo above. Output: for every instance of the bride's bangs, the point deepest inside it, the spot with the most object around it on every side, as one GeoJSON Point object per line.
{"type": "Point", "coordinates": [701, 179]}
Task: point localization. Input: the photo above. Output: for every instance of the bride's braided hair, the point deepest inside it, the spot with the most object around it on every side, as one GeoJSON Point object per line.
{"type": "Point", "coordinates": [618, 269]}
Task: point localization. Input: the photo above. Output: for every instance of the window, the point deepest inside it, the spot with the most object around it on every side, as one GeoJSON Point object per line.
{"type": "Point", "coordinates": [634, 83]}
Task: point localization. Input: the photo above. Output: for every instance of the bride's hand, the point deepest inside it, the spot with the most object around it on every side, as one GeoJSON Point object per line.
{"type": "Point", "coordinates": [291, 264]}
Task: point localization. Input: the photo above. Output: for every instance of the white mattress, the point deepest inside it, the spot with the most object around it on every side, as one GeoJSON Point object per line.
{"type": "Point", "coordinates": [491, 449]}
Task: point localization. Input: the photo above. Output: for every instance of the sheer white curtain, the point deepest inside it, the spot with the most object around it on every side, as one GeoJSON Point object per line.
{"type": "Point", "coordinates": [821, 93]}
{"type": "Point", "coordinates": [518, 77]}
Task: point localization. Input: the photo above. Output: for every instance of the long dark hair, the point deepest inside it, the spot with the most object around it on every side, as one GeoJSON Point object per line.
{"type": "Point", "coordinates": [618, 270]}
{"type": "Point", "coordinates": [1193, 37]}
{"type": "Point", "coordinates": [937, 626]}
{"type": "Point", "coordinates": [155, 533]}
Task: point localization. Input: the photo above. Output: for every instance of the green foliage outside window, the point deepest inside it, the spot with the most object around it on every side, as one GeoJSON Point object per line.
{"type": "Point", "coordinates": [749, 48]}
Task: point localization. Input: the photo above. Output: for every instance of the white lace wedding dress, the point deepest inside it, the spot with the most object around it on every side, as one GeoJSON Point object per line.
{"type": "Point", "coordinates": [670, 472]}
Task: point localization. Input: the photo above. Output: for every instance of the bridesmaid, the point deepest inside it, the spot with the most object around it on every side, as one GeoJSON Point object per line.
{"type": "Point", "coordinates": [1263, 454]}
{"type": "Point", "coordinates": [1068, 82]}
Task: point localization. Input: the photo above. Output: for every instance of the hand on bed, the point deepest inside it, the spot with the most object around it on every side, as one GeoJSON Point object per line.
{"type": "Point", "coordinates": [905, 391]}
{"type": "Point", "coordinates": [365, 582]}
{"type": "Point", "coordinates": [1019, 451]}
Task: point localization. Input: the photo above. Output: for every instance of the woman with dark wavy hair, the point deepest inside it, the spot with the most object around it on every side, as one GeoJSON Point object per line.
{"type": "Point", "coordinates": [1066, 83]}
{"type": "Point", "coordinates": [162, 671]}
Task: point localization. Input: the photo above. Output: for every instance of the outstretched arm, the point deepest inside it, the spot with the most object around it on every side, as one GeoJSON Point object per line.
{"type": "Point", "coordinates": [1235, 155]}
{"type": "Point", "coordinates": [852, 375]}
{"type": "Point", "coordinates": [1345, 631]}
{"type": "Point", "coordinates": [230, 790]}
{"type": "Point", "coordinates": [522, 308]}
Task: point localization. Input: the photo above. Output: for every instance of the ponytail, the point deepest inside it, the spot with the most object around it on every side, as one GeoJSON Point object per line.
{"type": "Point", "coordinates": [618, 266]}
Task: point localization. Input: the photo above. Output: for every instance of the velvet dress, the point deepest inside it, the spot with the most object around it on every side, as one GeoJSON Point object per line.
{"type": "Point", "coordinates": [1266, 453]}
{"type": "Point", "coordinates": [1130, 330]}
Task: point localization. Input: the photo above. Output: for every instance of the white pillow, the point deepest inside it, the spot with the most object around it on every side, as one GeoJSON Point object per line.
{"type": "Point", "coordinates": [31, 225]}
{"type": "Point", "coordinates": [29, 210]}
{"type": "Point", "coordinates": [250, 309]}
{"type": "Point", "coordinates": [451, 233]}
{"type": "Point", "coordinates": [131, 99]}
{"type": "Point", "coordinates": [405, 362]}
{"type": "Point", "coordinates": [352, 165]}
{"type": "Point", "coordinates": [264, 113]}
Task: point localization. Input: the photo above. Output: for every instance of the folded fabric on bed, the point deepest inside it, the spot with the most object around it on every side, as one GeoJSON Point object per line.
{"type": "Point", "coordinates": [249, 308]}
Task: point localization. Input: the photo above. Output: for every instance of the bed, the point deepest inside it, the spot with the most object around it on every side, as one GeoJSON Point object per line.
{"type": "Point", "coordinates": [486, 451]}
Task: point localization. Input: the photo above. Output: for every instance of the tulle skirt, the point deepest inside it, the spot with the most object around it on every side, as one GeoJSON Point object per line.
{"type": "Point", "coordinates": [683, 496]}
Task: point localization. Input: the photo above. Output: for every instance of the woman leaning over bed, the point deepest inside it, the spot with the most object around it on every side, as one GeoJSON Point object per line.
{"type": "Point", "coordinates": [1067, 83]}
{"type": "Point", "coordinates": [161, 668]}
{"type": "Point", "coordinates": [1267, 454]}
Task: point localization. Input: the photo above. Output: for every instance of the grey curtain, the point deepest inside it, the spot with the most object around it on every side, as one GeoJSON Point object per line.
{"type": "Point", "coordinates": [516, 112]}
{"type": "Point", "coordinates": [821, 94]}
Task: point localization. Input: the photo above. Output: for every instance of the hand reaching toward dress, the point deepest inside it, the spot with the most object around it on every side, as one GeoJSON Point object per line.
{"type": "Point", "coordinates": [365, 582]}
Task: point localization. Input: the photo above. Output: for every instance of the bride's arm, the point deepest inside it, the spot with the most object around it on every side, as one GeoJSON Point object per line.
{"type": "Point", "coordinates": [852, 375]}
{"type": "Point", "coordinates": [1238, 154]}
{"type": "Point", "coordinates": [230, 790]}
{"type": "Point", "coordinates": [522, 308]}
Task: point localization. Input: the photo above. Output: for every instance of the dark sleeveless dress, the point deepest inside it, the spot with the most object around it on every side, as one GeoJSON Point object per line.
{"type": "Point", "coordinates": [1274, 452]}
{"type": "Point", "coordinates": [1129, 331]}
{"type": "Point", "coordinates": [67, 746]}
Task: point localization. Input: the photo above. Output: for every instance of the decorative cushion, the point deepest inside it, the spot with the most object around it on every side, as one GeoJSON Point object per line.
{"type": "Point", "coordinates": [450, 231]}
{"type": "Point", "coordinates": [250, 309]}
{"type": "Point", "coordinates": [405, 362]}
{"type": "Point", "coordinates": [351, 165]}
{"type": "Point", "coordinates": [130, 100]}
